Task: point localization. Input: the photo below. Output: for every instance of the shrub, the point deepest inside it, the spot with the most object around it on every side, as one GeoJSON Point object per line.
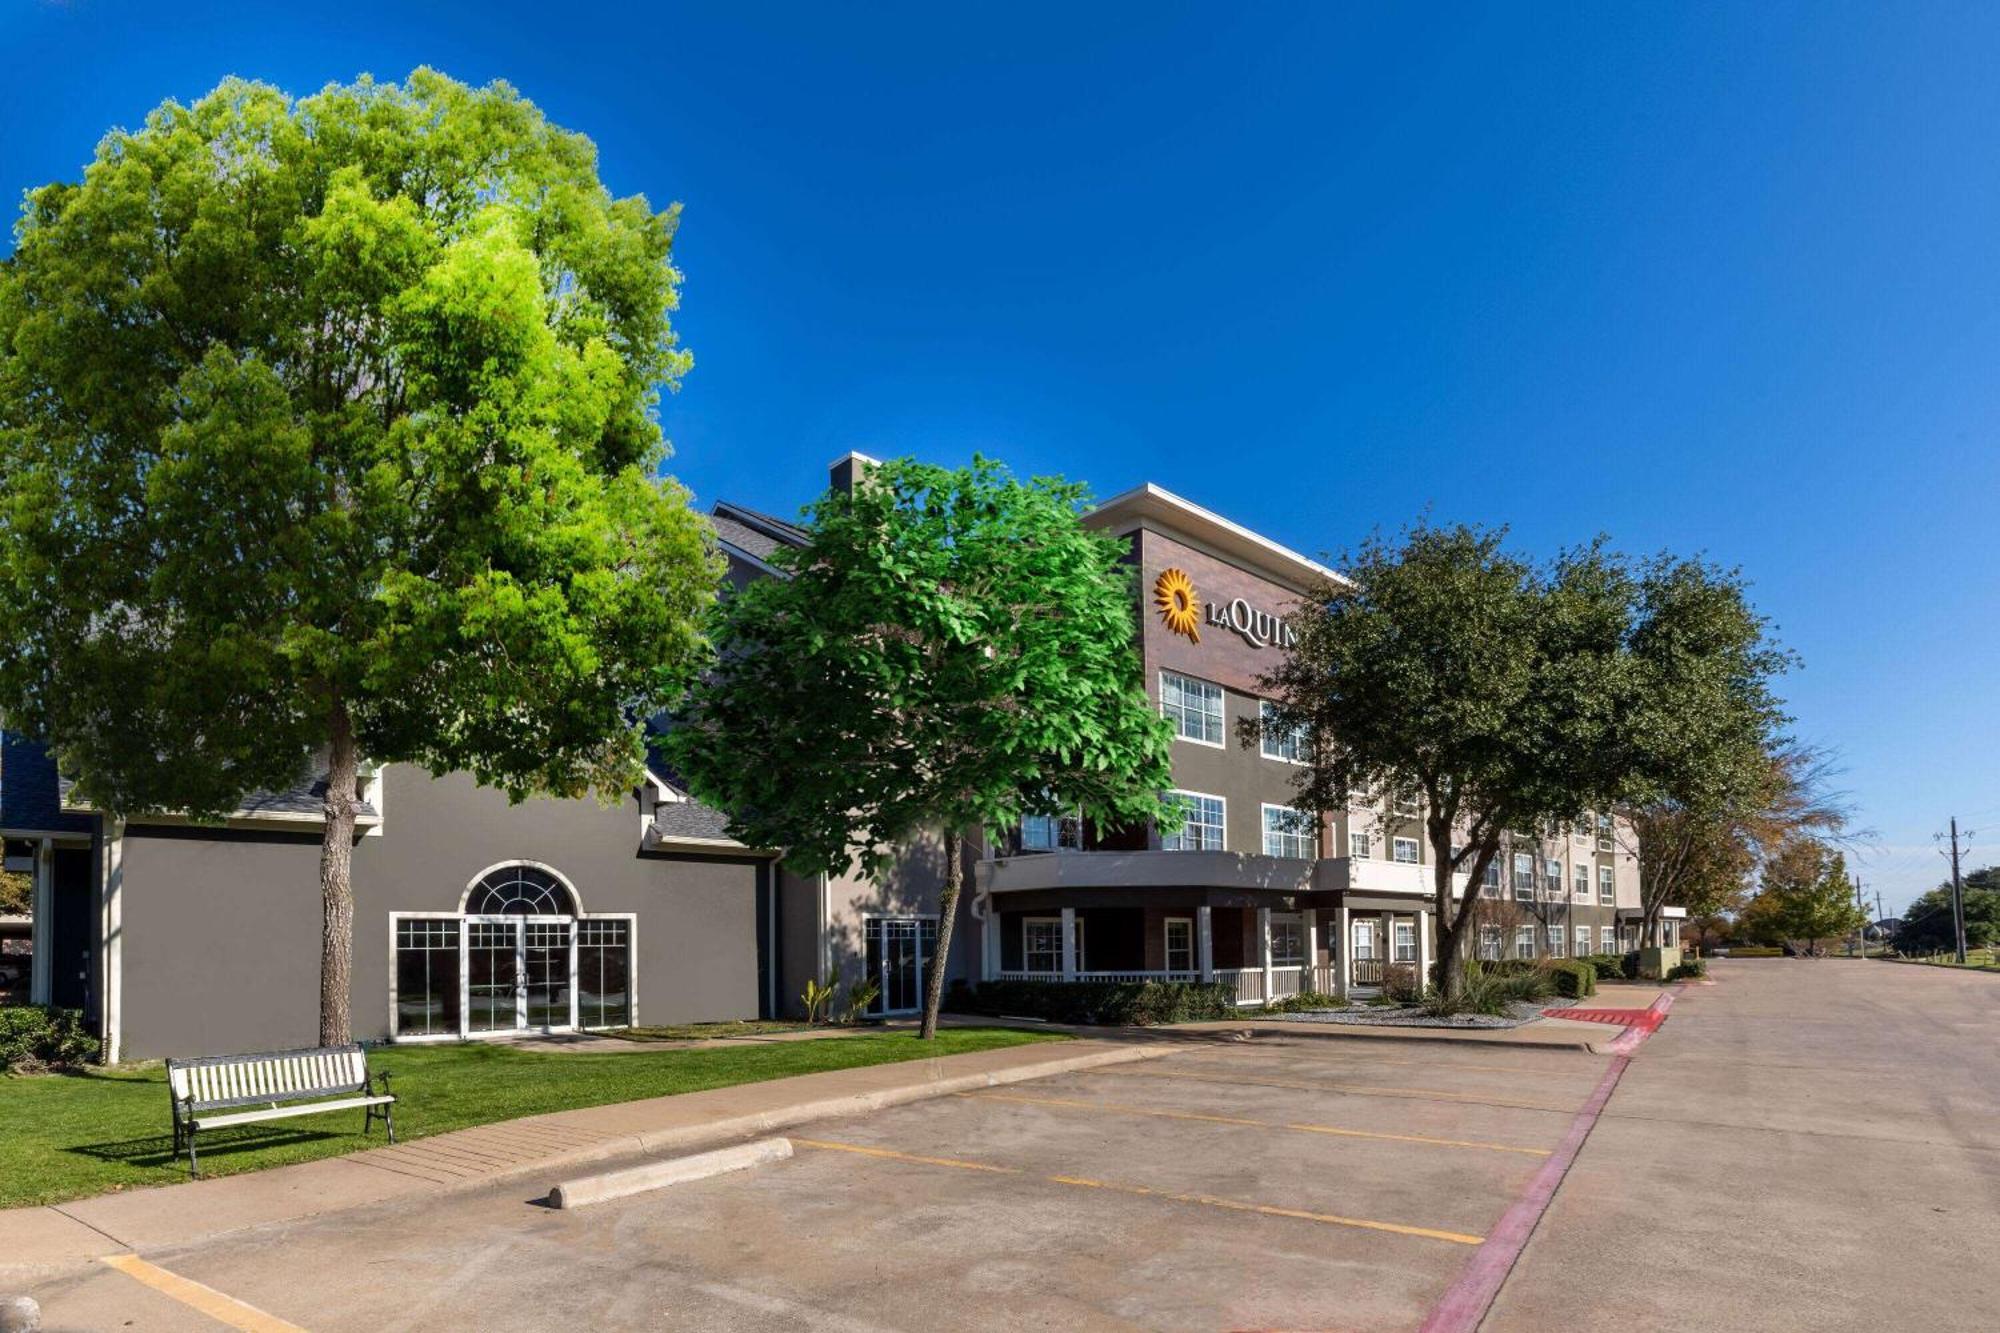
{"type": "Point", "coordinates": [1399, 983]}
{"type": "Point", "coordinates": [1610, 966]}
{"type": "Point", "coordinates": [1571, 978]}
{"type": "Point", "coordinates": [1755, 951]}
{"type": "Point", "coordinates": [1692, 967]}
{"type": "Point", "coordinates": [34, 1039]}
{"type": "Point", "coordinates": [1480, 993]}
{"type": "Point", "coordinates": [1292, 1004]}
{"type": "Point", "coordinates": [1142, 1003]}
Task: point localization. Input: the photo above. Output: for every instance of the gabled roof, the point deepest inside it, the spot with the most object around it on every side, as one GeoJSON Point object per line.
{"type": "Point", "coordinates": [34, 797]}
{"type": "Point", "coordinates": [1148, 504]}
{"type": "Point", "coordinates": [770, 526]}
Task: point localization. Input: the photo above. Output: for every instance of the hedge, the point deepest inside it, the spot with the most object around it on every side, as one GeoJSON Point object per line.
{"type": "Point", "coordinates": [1755, 951]}
{"type": "Point", "coordinates": [1573, 978]}
{"type": "Point", "coordinates": [35, 1039]}
{"type": "Point", "coordinates": [1140, 1003]}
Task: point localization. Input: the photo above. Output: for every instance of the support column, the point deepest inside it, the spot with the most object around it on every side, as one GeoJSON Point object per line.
{"type": "Point", "coordinates": [1309, 924]}
{"type": "Point", "coordinates": [1423, 947]}
{"type": "Point", "coordinates": [1264, 952]}
{"type": "Point", "coordinates": [1204, 941]}
{"type": "Point", "coordinates": [1343, 953]}
{"type": "Point", "coordinates": [989, 942]}
{"type": "Point", "coordinates": [41, 963]}
{"type": "Point", "coordinates": [1069, 943]}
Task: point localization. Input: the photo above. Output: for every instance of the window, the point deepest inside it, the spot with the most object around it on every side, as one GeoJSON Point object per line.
{"type": "Point", "coordinates": [1582, 940]}
{"type": "Point", "coordinates": [519, 890]}
{"type": "Point", "coordinates": [1556, 949]}
{"type": "Point", "coordinates": [1364, 940]}
{"type": "Point", "coordinates": [1357, 844]}
{"type": "Point", "coordinates": [1607, 939]}
{"type": "Point", "coordinates": [1288, 942]}
{"type": "Point", "coordinates": [1524, 876]}
{"type": "Point", "coordinates": [1288, 745]}
{"type": "Point", "coordinates": [427, 976]}
{"type": "Point", "coordinates": [1406, 807]}
{"type": "Point", "coordinates": [1489, 884]}
{"type": "Point", "coordinates": [1288, 833]}
{"type": "Point", "coordinates": [1193, 706]}
{"type": "Point", "coordinates": [1489, 943]}
{"type": "Point", "coordinates": [1552, 879]}
{"type": "Point", "coordinates": [603, 973]}
{"type": "Point", "coordinates": [1604, 833]}
{"type": "Point", "coordinates": [1041, 944]}
{"type": "Point", "coordinates": [1524, 941]}
{"type": "Point", "coordinates": [1581, 881]}
{"type": "Point", "coordinates": [1406, 941]}
{"type": "Point", "coordinates": [1202, 829]}
{"type": "Point", "coordinates": [1581, 831]}
{"type": "Point", "coordinates": [1607, 886]}
{"type": "Point", "coordinates": [1406, 850]}
{"type": "Point", "coordinates": [1180, 944]}
{"type": "Point", "coordinates": [1051, 833]}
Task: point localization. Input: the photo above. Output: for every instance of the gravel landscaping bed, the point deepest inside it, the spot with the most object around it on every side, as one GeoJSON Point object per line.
{"type": "Point", "coordinates": [1412, 1017]}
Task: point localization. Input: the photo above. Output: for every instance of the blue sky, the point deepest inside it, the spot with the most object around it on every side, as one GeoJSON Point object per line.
{"type": "Point", "coordinates": [1716, 279]}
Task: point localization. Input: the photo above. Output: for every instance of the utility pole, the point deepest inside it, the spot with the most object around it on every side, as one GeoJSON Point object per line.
{"type": "Point", "coordinates": [1957, 895]}
{"type": "Point", "coordinates": [1861, 931]}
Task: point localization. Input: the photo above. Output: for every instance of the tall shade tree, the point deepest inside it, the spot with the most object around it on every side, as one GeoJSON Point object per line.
{"type": "Point", "coordinates": [1512, 696]}
{"type": "Point", "coordinates": [950, 650]}
{"type": "Point", "coordinates": [1804, 898]}
{"type": "Point", "coordinates": [1700, 845]}
{"type": "Point", "coordinates": [327, 430]}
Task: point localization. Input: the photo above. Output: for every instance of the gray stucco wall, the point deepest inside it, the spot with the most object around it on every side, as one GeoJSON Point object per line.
{"type": "Point", "coordinates": [221, 938]}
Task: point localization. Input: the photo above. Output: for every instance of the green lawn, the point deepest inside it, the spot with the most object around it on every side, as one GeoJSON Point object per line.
{"type": "Point", "coordinates": [67, 1136]}
{"type": "Point", "coordinates": [740, 1027]}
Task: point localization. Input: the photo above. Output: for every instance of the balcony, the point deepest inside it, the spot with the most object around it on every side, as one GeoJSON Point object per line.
{"type": "Point", "coordinates": [1367, 874]}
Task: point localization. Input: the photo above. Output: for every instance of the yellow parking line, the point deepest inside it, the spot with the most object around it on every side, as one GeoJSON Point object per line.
{"type": "Point", "coordinates": [1084, 1182]}
{"type": "Point", "coordinates": [223, 1309]}
{"type": "Point", "coordinates": [895, 1156]}
{"type": "Point", "coordinates": [1426, 1094]}
{"type": "Point", "coordinates": [1116, 1108]}
{"type": "Point", "coordinates": [1269, 1210]}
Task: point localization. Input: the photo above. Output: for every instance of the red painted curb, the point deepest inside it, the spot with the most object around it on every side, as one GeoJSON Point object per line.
{"type": "Point", "coordinates": [1465, 1303]}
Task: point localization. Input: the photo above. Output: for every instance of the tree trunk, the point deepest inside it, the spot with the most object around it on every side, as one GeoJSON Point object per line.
{"type": "Point", "coordinates": [336, 887]}
{"type": "Point", "coordinates": [954, 875]}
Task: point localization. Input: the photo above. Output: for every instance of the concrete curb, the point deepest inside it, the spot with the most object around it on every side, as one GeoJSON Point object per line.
{"type": "Point", "coordinates": [674, 1171]}
{"type": "Point", "coordinates": [1444, 1036]}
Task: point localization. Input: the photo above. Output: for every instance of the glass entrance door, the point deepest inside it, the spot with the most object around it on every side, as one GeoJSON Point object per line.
{"type": "Point", "coordinates": [493, 990]}
{"type": "Point", "coordinates": [898, 950]}
{"type": "Point", "coordinates": [545, 971]}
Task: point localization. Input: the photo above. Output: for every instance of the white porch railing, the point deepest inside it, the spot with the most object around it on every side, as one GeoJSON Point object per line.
{"type": "Point", "coordinates": [1248, 981]}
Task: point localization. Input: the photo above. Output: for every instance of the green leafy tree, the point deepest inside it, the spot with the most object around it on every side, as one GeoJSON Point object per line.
{"type": "Point", "coordinates": [950, 650]}
{"type": "Point", "coordinates": [1927, 924]}
{"type": "Point", "coordinates": [1805, 897]}
{"type": "Point", "coordinates": [327, 429]}
{"type": "Point", "coordinates": [17, 893]}
{"type": "Point", "coordinates": [1506, 695]}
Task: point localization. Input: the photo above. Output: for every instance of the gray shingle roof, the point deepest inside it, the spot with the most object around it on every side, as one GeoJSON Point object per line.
{"type": "Point", "coordinates": [778, 529]}
{"type": "Point", "coordinates": [689, 819]}
{"type": "Point", "coordinates": [745, 538]}
{"type": "Point", "coordinates": [33, 794]}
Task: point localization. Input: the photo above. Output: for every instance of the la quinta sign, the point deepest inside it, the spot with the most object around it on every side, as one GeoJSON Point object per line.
{"type": "Point", "coordinates": [1181, 611]}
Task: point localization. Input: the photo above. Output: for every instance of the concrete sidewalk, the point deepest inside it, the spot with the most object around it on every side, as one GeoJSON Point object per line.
{"type": "Point", "coordinates": [1543, 1033]}
{"type": "Point", "coordinates": [35, 1241]}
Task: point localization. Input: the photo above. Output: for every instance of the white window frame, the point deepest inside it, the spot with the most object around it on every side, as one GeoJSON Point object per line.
{"type": "Point", "coordinates": [1582, 941]}
{"type": "Point", "coordinates": [1027, 954]}
{"type": "Point", "coordinates": [1552, 878]}
{"type": "Point", "coordinates": [1523, 893]}
{"type": "Point", "coordinates": [1604, 834]}
{"type": "Point", "coordinates": [1403, 940]}
{"type": "Point", "coordinates": [1607, 939]}
{"type": "Point", "coordinates": [1558, 942]}
{"type": "Point", "coordinates": [1167, 945]}
{"type": "Point", "coordinates": [1180, 710]}
{"type": "Point", "coordinates": [1293, 925]}
{"type": "Point", "coordinates": [1363, 943]}
{"type": "Point", "coordinates": [1305, 834]}
{"type": "Point", "coordinates": [1492, 881]}
{"type": "Point", "coordinates": [1524, 935]}
{"type": "Point", "coordinates": [1358, 843]}
{"type": "Point", "coordinates": [1055, 826]}
{"type": "Point", "coordinates": [880, 1005]}
{"type": "Point", "coordinates": [1221, 824]}
{"type": "Point", "coordinates": [1294, 740]}
{"type": "Point", "coordinates": [1396, 851]}
{"type": "Point", "coordinates": [520, 1029]}
{"type": "Point", "coordinates": [1607, 886]}
{"type": "Point", "coordinates": [1580, 881]}
{"type": "Point", "coordinates": [1491, 942]}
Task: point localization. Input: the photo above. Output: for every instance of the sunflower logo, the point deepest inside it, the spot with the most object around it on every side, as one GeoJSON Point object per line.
{"type": "Point", "coordinates": [1173, 593]}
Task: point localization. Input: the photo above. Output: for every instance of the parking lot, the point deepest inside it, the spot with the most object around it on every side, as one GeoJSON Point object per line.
{"type": "Point", "coordinates": [1773, 1158]}
{"type": "Point", "coordinates": [1306, 1182]}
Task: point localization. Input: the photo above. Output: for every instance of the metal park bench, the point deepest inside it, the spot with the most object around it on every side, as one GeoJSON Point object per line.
{"type": "Point", "coordinates": [281, 1084]}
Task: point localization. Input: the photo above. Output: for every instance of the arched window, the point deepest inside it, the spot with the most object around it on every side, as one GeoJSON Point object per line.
{"type": "Point", "coordinates": [519, 890]}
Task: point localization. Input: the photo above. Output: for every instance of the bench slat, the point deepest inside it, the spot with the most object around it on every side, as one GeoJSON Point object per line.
{"type": "Point", "coordinates": [283, 1112]}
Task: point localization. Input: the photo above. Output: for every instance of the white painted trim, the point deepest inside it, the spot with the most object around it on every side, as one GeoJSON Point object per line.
{"type": "Point", "coordinates": [1061, 935]}
{"type": "Point", "coordinates": [1149, 492]}
{"type": "Point", "coordinates": [1264, 831]}
{"type": "Point", "coordinates": [1166, 943]}
{"type": "Point", "coordinates": [112, 967]}
{"type": "Point", "coordinates": [1222, 700]}
{"type": "Point", "coordinates": [521, 1029]}
{"type": "Point", "coordinates": [575, 898]}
